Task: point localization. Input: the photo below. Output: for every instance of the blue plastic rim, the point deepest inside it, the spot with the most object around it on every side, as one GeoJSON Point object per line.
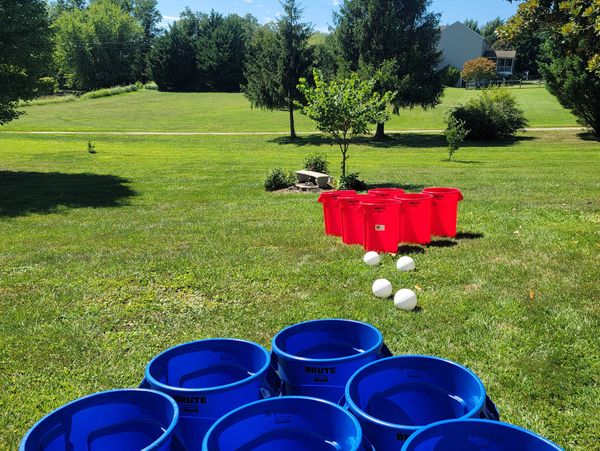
{"type": "Point", "coordinates": [208, 379]}
{"type": "Point", "coordinates": [292, 423]}
{"type": "Point", "coordinates": [127, 419]}
{"type": "Point", "coordinates": [475, 435]}
{"type": "Point", "coordinates": [327, 340]}
{"type": "Point", "coordinates": [316, 358]}
{"type": "Point", "coordinates": [212, 365]}
{"type": "Point", "coordinates": [394, 397]}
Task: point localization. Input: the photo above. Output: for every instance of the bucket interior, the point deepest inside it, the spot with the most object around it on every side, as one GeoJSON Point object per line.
{"type": "Point", "coordinates": [327, 339]}
{"type": "Point", "coordinates": [416, 391]}
{"type": "Point", "coordinates": [208, 363]}
{"type": "Point", "coordinates": [117, 420]}
{"type": "Point", "coordinates": [290, 424]}
{"type": "Point", "coordinates": [475, 435]}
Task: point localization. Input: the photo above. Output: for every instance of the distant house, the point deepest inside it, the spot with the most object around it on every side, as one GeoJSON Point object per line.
{"type": "Point", "coordinates": [459, 44]}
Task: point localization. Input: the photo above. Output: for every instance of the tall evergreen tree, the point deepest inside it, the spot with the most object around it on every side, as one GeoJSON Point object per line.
{"type": "Point", "coordinates": [148, 16]}
{"type": "Point", "coordinates": [472, 24]}
{"type": "Point", "coordinates": [172, 59]}
{"type": "Point", "coordinates": [488, 30]}
{"type": "Point", "coordinates": [279, 58]}
{"type": "Point", "coordinates": [25, 51]}
{"type": "Point", "coordinates": [396, 41]}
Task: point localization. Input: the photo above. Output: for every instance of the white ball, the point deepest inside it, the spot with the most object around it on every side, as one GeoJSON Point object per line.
{"type": "Point", "coordinates": [405, 299]}
{"type": "Point", "coordinates": [372, 258]}
{"type": "Point", "coordinates": [405, 264]}
{"type": "Point", "coordinates": [382, 288]}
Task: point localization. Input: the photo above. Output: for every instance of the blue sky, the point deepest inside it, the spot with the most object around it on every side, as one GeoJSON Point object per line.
{"type": "Point", "coordinates": [319, 11]}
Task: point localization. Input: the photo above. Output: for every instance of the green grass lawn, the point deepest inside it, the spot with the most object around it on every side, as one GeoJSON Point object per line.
{"type": "Point", "coordinates": [216, 112]}
{"type": "Point", "coordinates": [107, 259]}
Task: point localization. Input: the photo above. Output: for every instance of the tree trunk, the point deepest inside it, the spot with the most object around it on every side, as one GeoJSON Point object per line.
{"type": "Point", "coordinates": [380, 133]}
{"type": "Point", "coordinates": [292, 127]}
{"type": "Point", "coordinates": [343, 164]}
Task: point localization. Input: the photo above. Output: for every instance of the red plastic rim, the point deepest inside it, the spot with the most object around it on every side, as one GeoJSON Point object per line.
{"type": "Point", "coordinates": [414, 196]}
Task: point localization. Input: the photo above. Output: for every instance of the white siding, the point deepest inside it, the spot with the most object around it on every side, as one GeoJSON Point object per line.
{"type": "Point", "coordinates": [459, 44]}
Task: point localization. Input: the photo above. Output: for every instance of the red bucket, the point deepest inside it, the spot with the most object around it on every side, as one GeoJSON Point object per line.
{"type": "Point", "coordinates": [381, 224]}
{"type": "Point", "coordinates": [444, 210]}
{"type": "Point", "coordinates": [352, 218]}
{"type": "Point", "coordinates": [416, 217]}
{"type": "Point", "coordinates": [331, 210]}
{"type": "Point", "coordinates": [387, 193]}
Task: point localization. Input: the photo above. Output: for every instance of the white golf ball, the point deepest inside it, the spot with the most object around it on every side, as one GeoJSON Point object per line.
{"type": "Point", "coordinates": [382, 288]}
{"type": "Point", "coordinates": [405, 299]}
{"type": "Point", "coordinates": [405, 264]}
{"type": "Point", "coordinates": [372, 258]}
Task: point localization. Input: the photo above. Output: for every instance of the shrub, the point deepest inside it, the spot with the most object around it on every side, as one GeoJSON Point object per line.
{"type": "Point", "coordinates": [279, 179]}
{"type": "Point", "coordinates": [456, 133]}
{"type": "Point", "coordinates": [316, 163]}
{"type": "Point", "coordinates": [151, 86]}
{"type": "Point", "coordinates": [451, 76]}
{"type": "Point", "coordinates": [494, 114]}
{"type": "Point", "coordinates": [47, 86]}
{"type": "Point", "coordinates": [351, 181]}
{"type": "Point", "coordinates": [478, 70]}
{"type": "Point", "coordinates": [109, 92]}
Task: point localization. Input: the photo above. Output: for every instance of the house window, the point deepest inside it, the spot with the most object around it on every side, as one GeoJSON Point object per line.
{"type": "Point", "coordinates": [505, 64]}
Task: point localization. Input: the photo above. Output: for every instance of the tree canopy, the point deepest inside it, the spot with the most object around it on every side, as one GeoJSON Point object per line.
{"type": "Point", "coordinates": [98, 46]}
{"type": "Point", "coordinates": [25, 51]}
{"type": "Point", "coordinates": [570, 57]}
{"type": "Point", "coordinates": [344, 108]}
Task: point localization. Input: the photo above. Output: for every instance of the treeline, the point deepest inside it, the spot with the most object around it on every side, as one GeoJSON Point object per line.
{"type": "Point", "coordinates": [202, 52]}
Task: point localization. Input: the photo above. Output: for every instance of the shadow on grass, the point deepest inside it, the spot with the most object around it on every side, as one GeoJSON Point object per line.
{"type": "Point", "coordinates": [588, 136]}
{"type": "Point", "coordinates": [410, 249]}
{"type": "Point", "coordinates": [465, 161]}
{"type": "Point", "coordinates": [408, 140]}
{"type": "Point", "coordinates": [469, 235]}
{"type": "Point", "coordinates": [22, 193]}
{"type": "Point", "coordinates": [442, 243]}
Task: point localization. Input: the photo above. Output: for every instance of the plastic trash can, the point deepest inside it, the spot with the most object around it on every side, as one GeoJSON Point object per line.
{"type": "Point", "coordinates": [416, 217]}
{"type": "Point", "coordinates": [382, 227]}
{"type": "Point", "coordinates": [286, 424]}
{"type": "Point", "coordinates": [352, 218]}
{"type": "Point", "coordinates": [123, 420]}
{"type": "Point", "coordinates": [210, 378]}
{"type": "Point", "coordinates": [444, 210]}
{"type": "Point", "coordinates": [331, 210]}
{"type": "Point", "coordinates": [386, 193]}
{"type": "Point", "coordinates": [476, 435]}
{"type": "Point", "coordinates": [394, 397]}
{"type": "Point", "coordinates": [316, 358]}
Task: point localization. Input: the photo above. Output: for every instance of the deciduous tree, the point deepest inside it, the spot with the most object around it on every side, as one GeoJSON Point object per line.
{"type": "Point", "coordinates": [570, 60]}
{"type": "Point", "coordinates": [344, 108]}
{"type": "Point", "coordinates": [478, 70]}
{"type": "Point", "coordinates": [25, 51]}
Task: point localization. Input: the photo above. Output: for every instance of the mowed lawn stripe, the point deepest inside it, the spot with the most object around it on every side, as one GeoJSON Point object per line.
{"type": "Point", "coordinates": [230, 112]}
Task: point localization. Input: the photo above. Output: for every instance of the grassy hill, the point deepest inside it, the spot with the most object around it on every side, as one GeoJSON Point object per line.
{"type": "Point", "coordinates": [218, 112]}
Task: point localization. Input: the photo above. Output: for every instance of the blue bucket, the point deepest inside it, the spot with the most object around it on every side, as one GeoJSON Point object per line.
{"type": "Point", "coordinates": [316, 358]}
{"type": "Point", "coordinates": [291, 423]}
{"type": "Point", "coordinates": [394, 397]}
{"type": "Point", "coordinates": [474, 435]}
{"type": "Point", "coordinates": [129, 419]}
{"type": "Point", "coordinates": [209, 378]}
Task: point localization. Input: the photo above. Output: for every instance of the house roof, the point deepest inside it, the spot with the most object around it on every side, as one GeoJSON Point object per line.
{"type": "Point", "coordinates": [500, 54]}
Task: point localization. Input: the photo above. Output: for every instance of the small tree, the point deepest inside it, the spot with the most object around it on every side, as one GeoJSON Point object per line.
{"type": "Point", "coordinates": [344, 108]}
{"type": "Point", "coordinates": [456, 132]}
{"type": "Point", "coordinates": [478, 69]}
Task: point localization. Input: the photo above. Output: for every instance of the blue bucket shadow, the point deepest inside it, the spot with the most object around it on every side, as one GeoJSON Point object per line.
{"type": "Point", "coordinates": [394, 397]}
{"type": "Point", "coordinates": [316, 358]}
{"type": "Point", "coordinates": [475, 435]}
{"type": "Point", "coordinates": [210, 378]}
{"type": "Point", "coordinates": [111, 420]}
{"type": "Point", "coordinates": [287, 424]}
